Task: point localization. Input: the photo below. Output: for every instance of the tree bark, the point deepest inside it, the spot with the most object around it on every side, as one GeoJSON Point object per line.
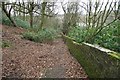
{"type": "Point", "coordinates": [8, 14]}
{"type": "Point", "coordinates": [31, 19]}
{"type": "Point", "coordinates": [42, 15]}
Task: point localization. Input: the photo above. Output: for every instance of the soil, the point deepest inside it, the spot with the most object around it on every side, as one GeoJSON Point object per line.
{"type": "Point", "coordinates": [27, 59]}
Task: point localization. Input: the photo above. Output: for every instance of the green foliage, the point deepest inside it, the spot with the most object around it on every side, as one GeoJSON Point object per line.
{"type": "Point", "coordinates": [109, 37]}
{"type": "Point", "coordinates": [94, 61]}
{"type": "Point", "coordinates": [43, 35]}
{"type": "Point", "coordinates": [5, 44]}
{"type": "Point", "coordinates": [29, 35]}
{"type": "Point", "coordinates": [78, 34]}
{"type": "Point", "coordinates": [20, 23]}
{"type": "Point", "coordinates": [4, 19]}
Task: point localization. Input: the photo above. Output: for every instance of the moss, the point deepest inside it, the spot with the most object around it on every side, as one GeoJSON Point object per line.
{"type": "Point", "coordinates": [96, 63]}
{"type": "Point", "coordinates": [89, 67]}
{"type": "Point", "coordinates": [115, 55]}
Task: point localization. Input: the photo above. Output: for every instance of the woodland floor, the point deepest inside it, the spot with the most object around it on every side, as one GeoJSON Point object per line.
{"type": "Point", "coordinates": [27, 59]}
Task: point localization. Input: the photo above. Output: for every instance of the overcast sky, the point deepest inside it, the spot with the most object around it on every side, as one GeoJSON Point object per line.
{"type": "Point", "coordinates": [59, 8]}
{"type": "Point", "coordinates": [63, 0]}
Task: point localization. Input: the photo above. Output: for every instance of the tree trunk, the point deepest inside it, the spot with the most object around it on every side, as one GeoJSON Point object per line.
{"type": "Point", "coordinates": [24, 11]}
{"type": "Point", "coordinates": [8, 15]}
{"type": "Point", "coordinates": [43, 12]}
{"type": "Point", "coordinates": [31, 19]}
{"type": "Point", "coordinates": [31, 13]}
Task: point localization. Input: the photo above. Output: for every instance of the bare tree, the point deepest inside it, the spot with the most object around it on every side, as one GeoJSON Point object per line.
{"type": "Point", "coordinates": [43, 13]}
{"type": "Point", "coordinates": [8, 13]}
{"type": "Point", "coordinates": [96, 17]}
{"type": "Point", "coordinates": [47, 11]}
{"type": "Point", "coordinates": [32, 8]}
{"type": "Point", "coordinates": [29, 9]}
{"type": "Point", "coordinates": [70, 15]}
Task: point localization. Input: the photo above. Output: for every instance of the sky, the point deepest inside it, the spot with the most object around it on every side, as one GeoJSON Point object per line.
{"type": "Point", "coordinates": [63, 0]}
{"type": "Point", "coordinates": [59, 8]}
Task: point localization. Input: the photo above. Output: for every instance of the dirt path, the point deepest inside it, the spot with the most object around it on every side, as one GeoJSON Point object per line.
{"type": "Point", "coordinates": [27, 59]}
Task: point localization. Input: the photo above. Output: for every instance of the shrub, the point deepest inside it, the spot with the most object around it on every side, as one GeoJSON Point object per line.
{"type": "Point", "coordinates": [5, 44]}
{"type": "Point", "coordinates": [5, 20]}
{"type": "Point", "coordinates": [78, 33]}
{"type": "Point", "coordinates": [21, 23]}
{"type": "Point", "coordinates": [29, 35]}
{"type": "Point", "coordinates": [43, 35]}
{"type": "Point", "coordinates": [108, 37]}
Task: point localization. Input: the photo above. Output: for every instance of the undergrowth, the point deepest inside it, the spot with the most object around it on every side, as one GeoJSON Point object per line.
{"type": "Point", "coordinates": [44, 35]}
{"type": "Point", "coordinates": [20, 23]}
{"type": "Point", "coordinates": [5, 44]}
{"type": "Point", "coordinates": [108, 37]}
